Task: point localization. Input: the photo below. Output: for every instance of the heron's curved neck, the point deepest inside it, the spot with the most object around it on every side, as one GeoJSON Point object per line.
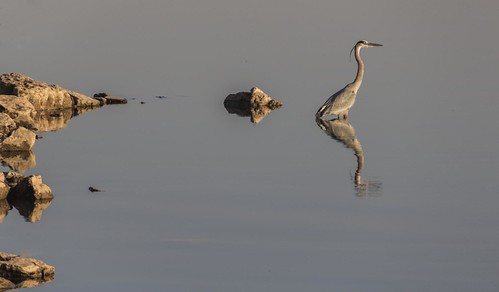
{"type": "Point", "coordinates": [360, 70]}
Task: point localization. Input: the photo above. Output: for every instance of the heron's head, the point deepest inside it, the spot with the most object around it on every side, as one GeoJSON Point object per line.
{"type": "Point", "coordinates": [364, 44]}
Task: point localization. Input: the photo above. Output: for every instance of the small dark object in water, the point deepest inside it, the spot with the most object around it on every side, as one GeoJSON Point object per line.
{"type": "Point", "coordinates": [100, 94]}
{"type": "Point", "coordinates": [38, 137]}
{"type": "Point", "coordinates": [160, 96]}
{"type": "Point", "coordinates": [142, 102]}
{"type": "Point", "coordinates": [93, 190]}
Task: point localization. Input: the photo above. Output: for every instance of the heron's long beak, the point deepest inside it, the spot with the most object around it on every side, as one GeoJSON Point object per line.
{"type": "Point", "coordinates": [375, 45]}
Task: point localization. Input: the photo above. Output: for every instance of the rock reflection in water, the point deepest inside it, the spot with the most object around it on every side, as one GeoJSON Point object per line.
{"type": "Point", "coordinates": [31, 210]}
{"type": "Point", "coordinates": [4, 209]}
{"type": "Point", "coordinates": [19, 161]}
{"type": "Point", "coordinates": [343, 132]}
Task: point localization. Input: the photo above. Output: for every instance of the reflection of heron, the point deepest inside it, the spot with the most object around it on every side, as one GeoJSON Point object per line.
{"type": "Point", "coordinates": [343, 132]}
{"type": "Point", "coordinates": [340, 102]}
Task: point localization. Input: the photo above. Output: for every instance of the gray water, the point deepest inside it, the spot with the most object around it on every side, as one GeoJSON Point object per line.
{"type": "Point", "coordinates": [197, 199]}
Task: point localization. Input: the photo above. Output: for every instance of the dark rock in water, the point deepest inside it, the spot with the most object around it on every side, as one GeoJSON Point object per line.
{"type": "Point", "coordinates": [93, 190]}
{"type": "Point", "coordinates": [23, 272]}
{"type": "Point", "coordinates": [142, 102]}
{"type": "Point", "coordinates": [256, 104]}
{"type": "Point", "coordinates": [115, 100]}
{"type": "Point", "coordinates": [100, 94]}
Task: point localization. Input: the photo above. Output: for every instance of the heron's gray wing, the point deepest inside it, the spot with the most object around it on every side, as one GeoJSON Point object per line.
{"type": "Point", "coordinates": [343, 100]}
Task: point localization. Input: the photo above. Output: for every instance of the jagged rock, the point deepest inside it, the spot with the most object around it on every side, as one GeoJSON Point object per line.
{"type": "Point", "coordinates": [256, 104]}
{"type": "Point", "coordinates": [7, 125]}
{"type": "Point", "coordinates": [83, 101]}
{"type": "Point", "coordinates": [42, 95]}
{"type": "Point", "coordinates": [13, 178]}
{"type": "Point", "coordinates": [17, 269]}
{"type": "Point", "coordinates": [19, 161]}
{"type": "Point", "coordinates": [31, 188]}
{"type": "Point", "coordinates": [256, 97]}
{"type": "Point", "coordinates": [4, 188]}
{"type": "Point", "coordinates": [18, 108]}
{"type": "Point", "coordinates": [20, 139]}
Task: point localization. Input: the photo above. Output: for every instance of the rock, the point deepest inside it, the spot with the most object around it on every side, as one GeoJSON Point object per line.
{"type": "Point", "coordinates": [115, 100]}
{"type": "Point", "coordinates": [18, 269]}
{"type": "Point", "coordinates": [256, 104]}
{"type": "Point", "coordinates": [100, 94]}
{"type": "Point", "coordinates": [42, 95]}
{"type": "Point", "coordinates": [4, 187]}
{"type": "Point", "coordinates": [19, 161]}
{"type": "Point", "coordinates": [6, 284]}
{"type": "Point", "coordinates": [105, 98]}
{"type": "Point", "coordinates": [13, 178]}
{"type": "Point", "coordinates": [20, 139]}
{"type": "Point", "coordinates": [256, 97]}
{"type": "Point", "coordinates": [18, 108]}
{"type": "Point", "coordinates": [81, 100]}
{"type": "Point", "coordinates": [7, 125]}
{"type": "Point", "coordinates": [31, 188]}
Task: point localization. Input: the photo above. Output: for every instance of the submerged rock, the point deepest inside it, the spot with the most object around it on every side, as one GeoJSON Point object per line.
{"type": "Point", "coordinates": [104, 98]}
{"type": "Point", "coordinates": [23, 272]}
{"type": "Point", "coordinates": [256, 104]}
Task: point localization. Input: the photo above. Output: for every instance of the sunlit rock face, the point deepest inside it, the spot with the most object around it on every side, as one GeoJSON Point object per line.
{"type": "Point", "coordinates": [19, 140]}
{"type": "Point", "coordinates": [41, 95]}
{"type": "Point", "coordinates": [20, 109]}
{"type": "Point", "coordinates": [21, 272]}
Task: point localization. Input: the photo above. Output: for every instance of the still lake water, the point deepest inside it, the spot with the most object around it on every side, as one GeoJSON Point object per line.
{"type": "Point", "coordinates": [197, 199]}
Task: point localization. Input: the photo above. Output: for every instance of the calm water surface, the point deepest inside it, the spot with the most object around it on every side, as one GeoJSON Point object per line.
{"type": "Point", "coordinates": [197, 199]}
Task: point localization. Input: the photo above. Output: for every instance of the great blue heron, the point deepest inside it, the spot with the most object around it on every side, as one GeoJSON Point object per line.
{"type": "Point", "coordinates": [340, 102]}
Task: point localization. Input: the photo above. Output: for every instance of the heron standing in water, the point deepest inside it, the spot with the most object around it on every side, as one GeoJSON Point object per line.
{"type": "Point", "coordinates": [340, 102]}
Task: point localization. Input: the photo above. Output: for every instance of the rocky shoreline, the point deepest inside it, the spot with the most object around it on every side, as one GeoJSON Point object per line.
{"type": "Point", "coordinates": [26, 104]}
{"type": "Point", "coordinates": [27, 108]}
{"type": "Point", "coordinates": [20, 272]}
